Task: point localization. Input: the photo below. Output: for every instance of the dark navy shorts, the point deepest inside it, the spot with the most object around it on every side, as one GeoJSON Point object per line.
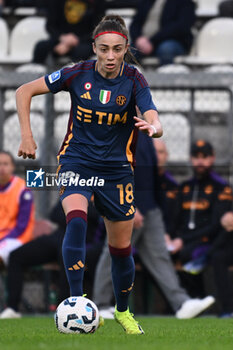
{"type": "Point", "coordinates": [113, 188]}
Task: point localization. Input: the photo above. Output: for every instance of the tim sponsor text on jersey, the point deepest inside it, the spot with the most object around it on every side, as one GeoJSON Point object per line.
{"type": "Point", "coordinates": [87, 115]}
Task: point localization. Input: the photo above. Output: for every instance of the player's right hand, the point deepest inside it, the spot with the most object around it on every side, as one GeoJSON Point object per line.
{"type": "Point", "coordinates": [27, 148]}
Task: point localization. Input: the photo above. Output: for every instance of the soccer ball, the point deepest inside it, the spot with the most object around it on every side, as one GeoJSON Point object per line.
{"type": "Point", "coordinates": [77, 315]}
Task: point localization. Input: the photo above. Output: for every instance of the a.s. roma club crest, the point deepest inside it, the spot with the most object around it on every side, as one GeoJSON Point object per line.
{"type": "Point", "coordinates": [121, 100]}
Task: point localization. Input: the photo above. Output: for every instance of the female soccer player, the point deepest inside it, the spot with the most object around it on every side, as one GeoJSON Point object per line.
{"type": "Point", "coordinates": [98, 152]}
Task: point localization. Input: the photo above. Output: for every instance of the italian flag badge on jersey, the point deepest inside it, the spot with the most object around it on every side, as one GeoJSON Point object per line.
{"type": "Point", "coordinates": [105, 96]}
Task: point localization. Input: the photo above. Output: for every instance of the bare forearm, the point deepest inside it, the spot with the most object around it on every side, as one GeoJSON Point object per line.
{"type": "Point", "coordinates": [152, 118]}
{"type": "Point", "coordinates": [150, 123]}
{"type": "Point", "coordinates": [158, 128]}
{"type": "Point", "coordinates": [24, 96]}
{"type": "Point", "coordinates": [23, 102]}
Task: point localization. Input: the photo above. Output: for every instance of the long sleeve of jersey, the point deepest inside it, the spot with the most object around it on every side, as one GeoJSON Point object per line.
{"type": "Point", "coordinates": [166, 195]}
{"type": "Point", "coordinates": [211, 229]}
{"type": "Point", "coordinates": [207, 225]}
{"type": "Point", "coordinates": [169, 209]}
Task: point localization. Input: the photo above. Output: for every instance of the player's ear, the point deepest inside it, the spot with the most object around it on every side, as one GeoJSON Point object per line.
{"type": "Point", "coordinates": [94, 47]}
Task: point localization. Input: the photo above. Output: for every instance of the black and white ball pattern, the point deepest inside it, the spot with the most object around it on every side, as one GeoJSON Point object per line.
{"type": "Point", "coordinates": [77, 315]}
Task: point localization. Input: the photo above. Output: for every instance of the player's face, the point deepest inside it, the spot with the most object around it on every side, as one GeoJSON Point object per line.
{"type": "Point", "coordinates": [110, 50]}
{"type": "Point", "coordinates": [6, 168]}
{"type": "Point", "coordinates": [202, 163]}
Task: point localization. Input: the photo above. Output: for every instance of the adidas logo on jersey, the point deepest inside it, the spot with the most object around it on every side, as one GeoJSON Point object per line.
{"type": "Point", "coordinates": [131, 211]}
{"type": "Point", "coordinates": [87, 96]}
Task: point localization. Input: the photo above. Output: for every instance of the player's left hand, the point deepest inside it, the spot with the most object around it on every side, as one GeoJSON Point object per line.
{"type": "Point", "coordinates": [145, 127]}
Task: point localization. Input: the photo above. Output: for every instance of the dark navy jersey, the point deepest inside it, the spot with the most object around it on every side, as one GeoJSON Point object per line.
{"type": "Point", "coordinates": [101, 125]}
{"type": "Point", "coordinates": [200, 206]}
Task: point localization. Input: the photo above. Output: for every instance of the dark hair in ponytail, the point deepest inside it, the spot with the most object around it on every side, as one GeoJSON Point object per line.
{"type": "Point", "coordinates": [117, 24]}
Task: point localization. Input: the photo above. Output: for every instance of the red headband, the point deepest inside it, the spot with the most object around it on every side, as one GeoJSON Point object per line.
{"type": "Point", "coordinates": [111, 31]}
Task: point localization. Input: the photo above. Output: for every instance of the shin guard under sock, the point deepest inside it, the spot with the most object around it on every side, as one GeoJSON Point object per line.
{"type": "Point", "coordinates": [73, 250]}
{"type": "Point", "coordinates": [123, 271]}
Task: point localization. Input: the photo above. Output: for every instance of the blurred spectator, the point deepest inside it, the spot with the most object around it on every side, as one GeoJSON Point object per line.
{"type": "Point", "coordinates": [202, 201]}
{"type": "Point", "coordinates": [47, 248]}
{"type": "Point", "coordinates": [225, 8]}
{"type": "Point", "coordinates": [148, 238]}
{"type": "Point", "coordinates": [16, 209]}
{"type": "Point", "coordinates": [162, 28]}
{"type": "Point", "coordinates": [70, 24]}
{"type": "Point", "coordinates": [166, 187]}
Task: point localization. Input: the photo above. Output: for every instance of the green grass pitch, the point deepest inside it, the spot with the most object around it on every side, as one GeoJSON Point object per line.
{"type": "Point", "coordinates": [161, 334]}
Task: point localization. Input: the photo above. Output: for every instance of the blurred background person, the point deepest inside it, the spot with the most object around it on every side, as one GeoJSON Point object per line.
{"type": "Point", "coordinates": [16, 209]}
{"type": "Point", "coordinates": [166, 185]}
{"type": "Point", "coordinates": [163, 29]}
{"type": "Point", "coordinates": [70, 24]}
{"type": "Point", "coordinates": [202, 200]}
